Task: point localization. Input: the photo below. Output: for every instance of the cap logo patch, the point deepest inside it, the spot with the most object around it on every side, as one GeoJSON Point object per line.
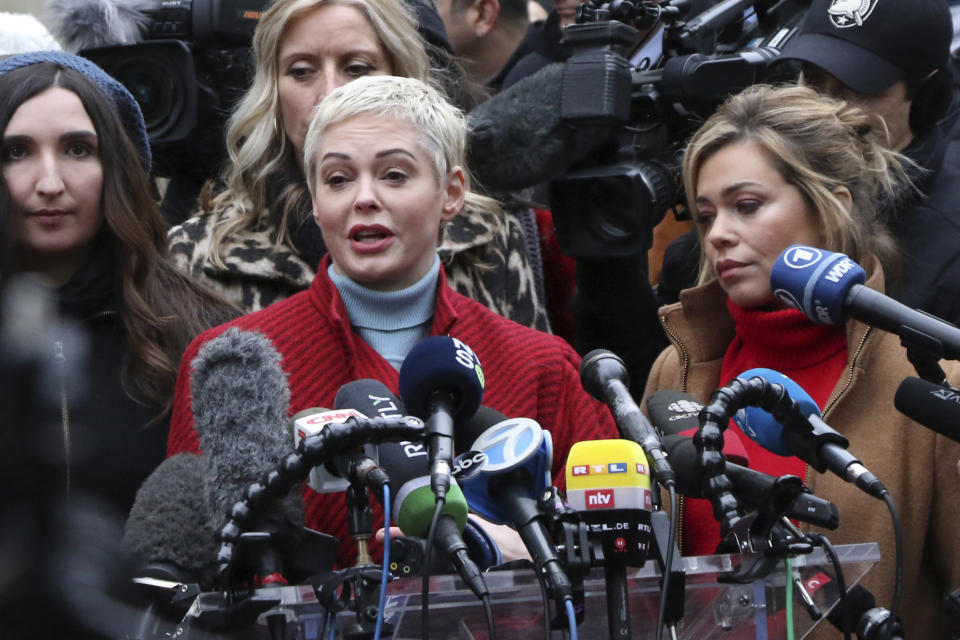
{"type": "Point", "coordinates": [850, 13]}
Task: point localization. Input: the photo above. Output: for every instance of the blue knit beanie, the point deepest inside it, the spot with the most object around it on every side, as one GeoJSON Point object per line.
{"type": "Point", "coordinates": [121, 99]}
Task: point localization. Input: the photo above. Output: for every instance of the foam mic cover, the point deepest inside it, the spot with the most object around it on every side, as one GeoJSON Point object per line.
{"type": "Point", "coordinates": [240, 402]}
{"type": "Point", "coordinates": [815, 281]}
{"type": "Point", "coordinates": [517, 452]}
{"type": "Point", "coordinates": [673, 411]}
{"type": "Point", "coordinates": [608, 482]}
{"type": "Point", "coordinates": [828, 288]}
{"type": "Point", "coordinates": [169, 524]}
{"type": "Point", "coordinates": [759, 425]}
{"type": "Point", "coordinates": [85, 24]}
{"type": "Point", "coordinates": [934, 406]}
{"type": "Point", "coordinates": [516, 139]}
{"type": "Point", "coordinates": [441, 365]}
{"type": "Point", "coordinates": [414, 501]}
{"type": "Point", "coordinates": [370, 397]}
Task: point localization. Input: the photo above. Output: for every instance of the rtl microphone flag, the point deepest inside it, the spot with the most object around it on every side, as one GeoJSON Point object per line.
{"type": "Point", "coordinates": [608, 482]}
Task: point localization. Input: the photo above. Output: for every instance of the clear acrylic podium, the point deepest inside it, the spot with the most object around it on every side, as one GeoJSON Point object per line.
{"type": "Point", "coordinates": [712, 609]}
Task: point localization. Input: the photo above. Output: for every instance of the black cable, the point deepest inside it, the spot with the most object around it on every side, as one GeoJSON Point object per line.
{"type": "Point", "coordinates": [546, 605]}
{"type": "Point", "coordinates": [898, 542]}
{"type": "Point", "coordinates": [488, 611]}
{"type": "Point", "coordinates": [668, 562]}
{"type": "Point", "coordinates": [427, 561]}
{"type": "Point", "coordinates": [822, 541]}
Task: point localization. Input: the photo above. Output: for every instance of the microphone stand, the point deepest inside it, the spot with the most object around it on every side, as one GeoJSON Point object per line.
{"type": "Point", "coordinates": [660, 524]}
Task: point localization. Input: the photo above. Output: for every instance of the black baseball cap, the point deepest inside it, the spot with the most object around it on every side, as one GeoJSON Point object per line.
{"type": "Point", "coordinates": [870, 44]}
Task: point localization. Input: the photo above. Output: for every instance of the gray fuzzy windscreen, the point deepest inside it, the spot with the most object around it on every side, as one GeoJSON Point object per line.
{"type": "Point", "coordinates": [86, 24]}
{"type": "Point", "coordinates": [169, 520]}
{"type": "Point", "coordinates": [240, 409]}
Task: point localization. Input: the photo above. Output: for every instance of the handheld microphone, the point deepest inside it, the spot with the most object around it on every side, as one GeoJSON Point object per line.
{"type": "Point", "coordinates": [750, 485]}
{"type": "Point", "coordinates": [809, 439]}
{"type": "Point", "coordinates": [441, 382]}
{"type": "Point", "coordinates": [349, 467]}
{"type": "Point", "coordinates": [169, 525]}
{"type": "Point", "coordinates": [240, 401]}
{"type": "Point", "coordinates": [934, 406]}
{"type": "Point", "coordinates": [414, 501]}
{"type": "Point", "coordinates": [608, 482]}
{"type": "Point", "coordinates": [828, 288]}
{"type": "Point", "coordinates": [604, 376]}
{"type": "Point", "coordinates": [508, 486]}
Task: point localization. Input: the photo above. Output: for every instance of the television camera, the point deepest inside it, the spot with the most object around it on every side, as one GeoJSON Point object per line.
{"type": "Point", "coordinates": [645, 105]}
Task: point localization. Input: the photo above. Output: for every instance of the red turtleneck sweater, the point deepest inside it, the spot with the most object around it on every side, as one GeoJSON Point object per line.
{"type": "Point", "coordinates": [812, 355]}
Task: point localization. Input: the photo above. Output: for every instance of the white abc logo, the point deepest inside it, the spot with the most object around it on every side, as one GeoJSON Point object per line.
{"type": "Point", "coordinates": [684, 406]}
{"type": "Point", "coordinates": [509, 442]}
{"type": "Point", "coordinates": [801, 257]}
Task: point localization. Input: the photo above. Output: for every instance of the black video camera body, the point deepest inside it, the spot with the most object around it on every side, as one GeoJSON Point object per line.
{"type": "Point", "coordinates": [191, 68]}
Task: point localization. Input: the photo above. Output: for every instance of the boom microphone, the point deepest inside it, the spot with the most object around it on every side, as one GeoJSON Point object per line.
{"type": "Point", "coordinates": [516, 138]}
{"type": "Point", "coordinates": [169, 524]}
{"type": "Point", "coordinates": [749, 485]}
{"type": "Point", "coordinates": [814, 442]}
{"type": "Point", "coordinates": [934, 406]}
{"type": "Point", "coordinates": [441, 382]}
{"type": "Point", "coordinates": [240, 401]}
{"type": "Point", "coordinates": [828, 288]}
{"type": "Point", "coordinates": [604, 376]}
{"type": "Point", "coordinates": [88, 24]}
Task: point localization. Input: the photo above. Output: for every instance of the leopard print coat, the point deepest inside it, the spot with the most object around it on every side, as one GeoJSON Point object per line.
{"type": "Point", "coordinates": [491, 266]}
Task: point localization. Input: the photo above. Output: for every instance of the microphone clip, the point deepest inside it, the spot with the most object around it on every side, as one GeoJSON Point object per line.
{"type": "Point", "coordinates": [765, 536]}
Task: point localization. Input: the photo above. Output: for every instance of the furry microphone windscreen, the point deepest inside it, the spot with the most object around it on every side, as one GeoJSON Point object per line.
{"type": "Point", "coordinates": [169, 523]}
{"type": "Point", "coordinates": [88, 24]}
{"type": "Point", "coordinates": [240, 409]}
{"type": "Point", "coordinates": [516, 138]}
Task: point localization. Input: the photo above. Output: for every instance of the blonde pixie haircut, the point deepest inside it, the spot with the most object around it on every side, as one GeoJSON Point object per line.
{"type": "Point", "coordinates": [817, 144]}
{"type": "Point", "coordinates": [441, 125]}
{"type": "Point", "coordinates": [256, 142]}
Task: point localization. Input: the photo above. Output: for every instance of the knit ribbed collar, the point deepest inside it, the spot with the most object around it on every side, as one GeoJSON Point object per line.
{"type": "Point", "coordinates": [388, 310]}
{"type": "Point", "coordinates": [786, 336]}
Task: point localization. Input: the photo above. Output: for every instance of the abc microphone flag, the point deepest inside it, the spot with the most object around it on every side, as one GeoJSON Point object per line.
{"type": "Point", "coordinates": [608, 483]}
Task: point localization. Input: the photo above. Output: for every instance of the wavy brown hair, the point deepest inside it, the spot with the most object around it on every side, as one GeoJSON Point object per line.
{"type": "Point", "coordinates": [817, 144]}
{"type": "Point", "coordinates": [162, 310]}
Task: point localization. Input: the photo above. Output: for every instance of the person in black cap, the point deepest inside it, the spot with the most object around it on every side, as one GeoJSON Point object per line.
{"type": "Point", "coordinates": [892, 58]}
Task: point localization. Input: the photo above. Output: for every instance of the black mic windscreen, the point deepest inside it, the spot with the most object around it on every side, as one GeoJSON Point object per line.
{"type": "Point", "coordinates": [169, 524]}
{"type": "Point", "coordinates": [88, 24]}
{"type": "Point", "coordinates": [673, 411]}
{"type": "Point", "coordinates": [240, 404]}
{"type": "Point", "coordinates": [441, 364]}
{"type": "Point", "coordinates": [516, 138]}
{"type": "Point", "coordinates": [932, 405]}
{"type": "Point", "coordinates": [467, 432]}
{"type": "Point", "coordinates": [370, 397]}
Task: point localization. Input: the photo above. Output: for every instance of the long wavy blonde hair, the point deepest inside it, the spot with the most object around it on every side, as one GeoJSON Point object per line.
{"type": "Point", "coordinates": [817, 144]}
{"type": "Point", "coordinates": [256, 143]}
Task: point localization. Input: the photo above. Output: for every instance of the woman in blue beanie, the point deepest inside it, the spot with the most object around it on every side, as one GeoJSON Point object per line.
{"type": "Point", "coordinates": [77, 208]}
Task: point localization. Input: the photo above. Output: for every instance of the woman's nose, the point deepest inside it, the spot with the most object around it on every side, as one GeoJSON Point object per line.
{"type": "Point", "coordinates": [50, 180]}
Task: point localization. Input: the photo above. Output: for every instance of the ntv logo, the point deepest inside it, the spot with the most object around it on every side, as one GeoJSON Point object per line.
{"type": "Point", "coordinates": [599, 499]}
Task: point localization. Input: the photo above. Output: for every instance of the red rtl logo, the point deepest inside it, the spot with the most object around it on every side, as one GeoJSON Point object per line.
{"type": "Point", "coordinates": [599, 499]}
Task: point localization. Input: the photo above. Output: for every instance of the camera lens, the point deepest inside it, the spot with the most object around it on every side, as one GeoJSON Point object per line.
{"type": "Point", "coordinates": [154, 87]}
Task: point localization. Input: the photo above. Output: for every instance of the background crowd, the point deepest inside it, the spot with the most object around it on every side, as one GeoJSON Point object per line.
{"type": "Point", "coordinates": [342, 221]}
